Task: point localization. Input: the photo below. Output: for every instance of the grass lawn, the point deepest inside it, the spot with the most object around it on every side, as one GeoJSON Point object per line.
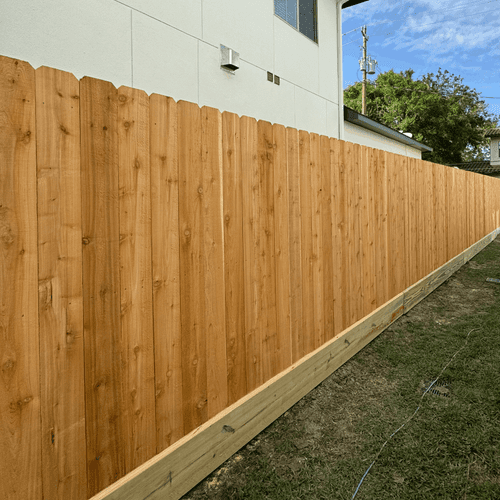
{"type": "Point", "coordinates": [323, 445]}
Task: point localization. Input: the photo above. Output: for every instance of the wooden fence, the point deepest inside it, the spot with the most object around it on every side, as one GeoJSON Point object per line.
{"type": "Point", "coordinates": [159, 261]}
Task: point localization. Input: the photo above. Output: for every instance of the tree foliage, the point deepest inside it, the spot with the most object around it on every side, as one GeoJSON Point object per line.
{"type": "Point", "coordinates": [438, 110]}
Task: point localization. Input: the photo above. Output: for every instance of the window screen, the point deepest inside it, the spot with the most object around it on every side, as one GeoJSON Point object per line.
{"type": "Point", "coordinates": [287, 10]}
{"type": "Point", "coordinates": [307, 21]}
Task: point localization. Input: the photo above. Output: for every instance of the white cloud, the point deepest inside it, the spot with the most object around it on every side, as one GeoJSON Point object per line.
{"type": "Point", "coordinates": [434, 27]}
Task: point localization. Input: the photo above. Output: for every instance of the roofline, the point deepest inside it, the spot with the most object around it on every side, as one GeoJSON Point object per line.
{"type": "Point", "coordinates": [351, 3]}
{"type": "Point", "coordinates": [492, 134]}
{"type": "Point", "coordinates": [356, 118]}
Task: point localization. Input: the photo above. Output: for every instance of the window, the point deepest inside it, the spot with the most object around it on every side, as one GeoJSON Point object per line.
{"type": "Point", "coordinates": [301, 14]}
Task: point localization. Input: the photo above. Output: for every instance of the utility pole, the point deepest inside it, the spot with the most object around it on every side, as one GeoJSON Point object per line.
{"type": "Point", "coordinates": [366, 65]}
{"type": "Point", "coordinates": [363, 95]}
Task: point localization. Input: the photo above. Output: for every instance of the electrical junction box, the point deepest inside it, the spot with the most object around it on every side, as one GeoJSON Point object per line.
{"type": "Point", "coordinates": [229, 58]}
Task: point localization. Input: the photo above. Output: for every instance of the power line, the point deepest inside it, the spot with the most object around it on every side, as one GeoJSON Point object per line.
{"type": "Point", "coordinates": [463, 6]}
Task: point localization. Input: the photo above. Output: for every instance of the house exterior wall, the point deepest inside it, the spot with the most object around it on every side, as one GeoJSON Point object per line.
{"type": "Point", "coordinates": [494, 151]}
{"type": "Point", "coordinates": [359, 135]}
{"type": "Point", "coordinates": [172, 47]}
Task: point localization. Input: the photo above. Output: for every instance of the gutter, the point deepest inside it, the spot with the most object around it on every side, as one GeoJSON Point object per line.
{"type": "Point", "coordinates": [340, 76]}
{"type": "Point", "coordinates": [363, 121]}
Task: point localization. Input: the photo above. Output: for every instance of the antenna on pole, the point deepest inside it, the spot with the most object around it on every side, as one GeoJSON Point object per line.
{"type": "Point", "coordinates": [366, 65]}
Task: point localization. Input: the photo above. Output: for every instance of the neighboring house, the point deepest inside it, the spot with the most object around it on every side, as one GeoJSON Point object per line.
{"type": "Point", "coordinates": [360, 129]}
{"type": "Point", "coordinates": [286, 64]}
{"type": "Point", "coordinates": [492, 167]}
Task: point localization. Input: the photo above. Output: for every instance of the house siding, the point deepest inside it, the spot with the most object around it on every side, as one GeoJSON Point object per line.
{"type": "Point", "coordinates": [359, 135]}
{"type": "Point", "coordinates": [173, 48]}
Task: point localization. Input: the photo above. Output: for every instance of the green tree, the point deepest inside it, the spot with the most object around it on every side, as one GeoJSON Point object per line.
{"type": "Point", "coordinates": [438, 110]}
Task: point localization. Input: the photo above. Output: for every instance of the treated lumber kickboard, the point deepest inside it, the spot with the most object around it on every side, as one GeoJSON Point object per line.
{"type": "Point", "coordinates": [425, 286]}
{"type": "Point", "coordinates": [176, 470]}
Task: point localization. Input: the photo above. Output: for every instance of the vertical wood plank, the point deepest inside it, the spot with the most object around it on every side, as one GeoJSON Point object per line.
{"type": "Point", "coordinates": [267, 280]}
{"type": "Point", "coordinates": [317, 240]}
{"type": "Point", "coordinates": [472, 208]}
{"type": "Point", "coordinates": [428, 218]}
{"type": "Point", "coordinates": [101, 283]}
{"type": "Point", "coordinates": [395, 223]}
{"type": "Point", "coordinates": [136, 322]}
{"type": "Point", "coordinates": [166, 279]}
{"type": "Point", "coordinates": [281, 239]}
{"type": "Point", "coordinates": [307, 243]}
{"type": "Point", "coordinates": [60, 285]}
{"type": "Point", "coordinates": [251, 249]}
{"type": "Point", "coordinates": [345, 160]}
{"type": "Point", "coordinates": [327, 236]}
{"type": "Point", "coordinates": [191, 228]}
{"type": "Point", "coordinates": [381, 213]}
{"type": "Point", "coordinates": [451, 208]}
{"type": "Point", "coordinates": [295, 239]}
{"type": "Point", "coordinates": [420, 221]}
{"type": "Point", "coordinates": [234, 257]}
{"type": "Point", "coordinates": [338, 212]}
{"type": "Point", "coordinates": [20, 430]}
{"type": "Point", "coordinates": [406, 205]}
{"type": "Point", "coordinates": [413, 192]}
{"type": "Point", "coordinates": [461, 214]}
{"type": "Point", "coordinates": [213, 259]}
{"type": "Point", "coordinates": [356, 295]}
{"type": "Point", "coordinates": [367, 230]}
{"type": "Point", "coordinates": [480, 228]}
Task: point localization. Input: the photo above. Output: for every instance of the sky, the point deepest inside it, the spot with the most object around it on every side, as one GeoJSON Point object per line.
{"type": "Point", "coordinates": [460, 36]}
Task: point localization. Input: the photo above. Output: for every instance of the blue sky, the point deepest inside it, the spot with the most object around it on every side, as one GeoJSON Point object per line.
{"type": "Point", "coordinates": [458, 35]}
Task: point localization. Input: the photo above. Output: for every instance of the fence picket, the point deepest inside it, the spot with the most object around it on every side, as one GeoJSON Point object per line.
{"type": "Point", "coordinates": [60, 284]}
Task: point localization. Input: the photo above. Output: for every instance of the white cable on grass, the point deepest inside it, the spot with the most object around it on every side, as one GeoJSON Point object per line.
{"type": "Point", "coordinates": [396, 431]}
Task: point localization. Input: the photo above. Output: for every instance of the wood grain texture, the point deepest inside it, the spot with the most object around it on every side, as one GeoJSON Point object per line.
{"type": "Point", "coordinates": [266, 281]}
{"type": "Point", "coordinates": [60, 285]}
{"type": "Point", "coordinates": [101, 283]}
{"type": "Point", "coordinates": [452, 222]}
{"type": "Point", "coordinates": [338, 209]}
{"type": "Point", "coordinates": [281, 247]}
{"type": "Point", "coordinates": [356, 291]}
{"type": "Point", "coordinates": [440, 233]}
{"type": "Point", "coordinates": [251, 248]}
{"type": "Point", "coordinates": [367, 231]}
{"type": "Point", "coordinates": [20, 432]}
{"type": "Point", "coordinates": [328, 248]}
{"type": "Point", "coordinates": [234, 257]}
{"type": "Point", "coordinates": [317, 256]}
{"type": "Point", "coordinates": [380, 221]}
{"type": "Point", "coordinates": [306, 242]}
{"type": "Point", "coordinates": [192, 267]}
{"type": "Point", "coordinates": [412, 248]}
{"type": "Point", "coordinates": [295, 244]}
{"type": "Point", "coordinates": [342, 211]}
{"type": "Point", "coordinates": [166, 275]}
{"type": "Point", "coordinates": [213, 259]}
{"type": "Point", "coordinates": [175, 471]}
{"type": "Point", "coordinates": [136, 301]}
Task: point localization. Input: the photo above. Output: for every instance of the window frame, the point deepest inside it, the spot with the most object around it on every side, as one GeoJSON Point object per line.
{"type": "Point", "coordinates": [315, 14]}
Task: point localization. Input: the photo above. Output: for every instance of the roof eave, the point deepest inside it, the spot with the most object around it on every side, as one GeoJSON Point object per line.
{"type": "Point", "coordinates": [351, 3]}
{"type": "Point", "coordinates": [363, 121]}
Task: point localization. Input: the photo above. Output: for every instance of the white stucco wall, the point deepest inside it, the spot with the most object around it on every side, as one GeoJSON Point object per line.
{"type": "Point", "coordinates": [172, 47]}
{"type": "Point", "coordinates": [359, 135]}
{"type": "Point", "coordinates": [494, 151]}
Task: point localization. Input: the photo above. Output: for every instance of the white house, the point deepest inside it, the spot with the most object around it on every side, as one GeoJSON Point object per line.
{"type": "Point", "coordinates": [288, 53]}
